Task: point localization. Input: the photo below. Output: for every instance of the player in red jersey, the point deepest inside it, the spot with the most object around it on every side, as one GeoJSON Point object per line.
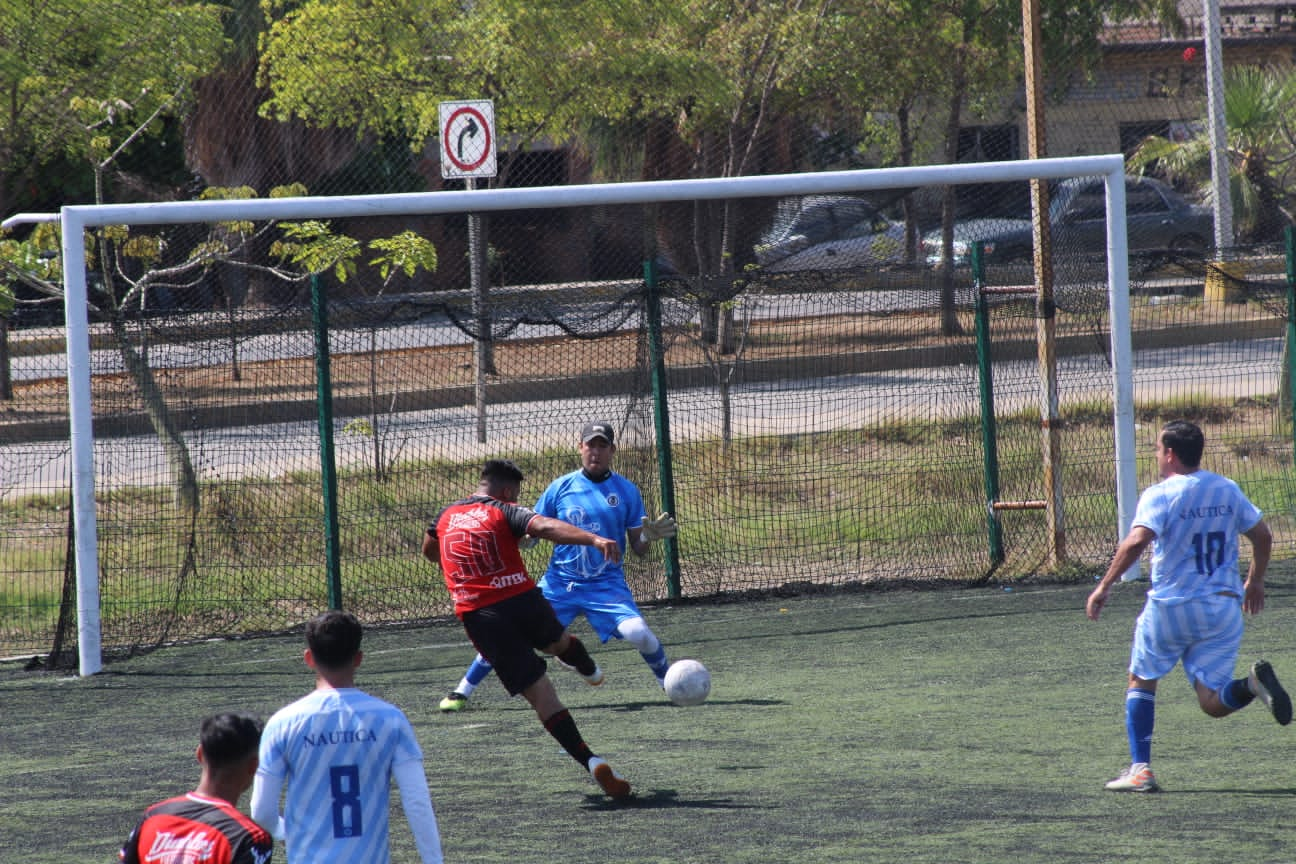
{"type": "Point", "coordinates": [205, 824]}
{"type": "Point", "coordinates": [475, 541]}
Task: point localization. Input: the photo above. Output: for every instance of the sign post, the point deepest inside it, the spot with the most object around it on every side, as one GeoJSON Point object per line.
{"type": "Point", "coordinates": [467, 138]}
{"type": "Point", "coordinates": [468, 151]}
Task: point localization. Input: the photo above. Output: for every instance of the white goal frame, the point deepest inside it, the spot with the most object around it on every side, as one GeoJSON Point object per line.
{"type": "Point", "coordinates": [77, 218]}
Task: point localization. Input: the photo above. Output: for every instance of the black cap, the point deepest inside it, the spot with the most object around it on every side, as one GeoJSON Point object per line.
{"type": "Point", "coordinates": [596, 429]}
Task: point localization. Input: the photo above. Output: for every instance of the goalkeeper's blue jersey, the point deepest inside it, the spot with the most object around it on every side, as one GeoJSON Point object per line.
{"type": "Point", "coordinates": [1197, 518]}
{"type": "Point", "coordinates": [608, 508]}
{"type": "Point", "coordinates": [334, 750]}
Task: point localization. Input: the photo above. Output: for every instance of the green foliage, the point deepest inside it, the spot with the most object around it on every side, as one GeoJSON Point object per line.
{"type": "Point", "coordinates": [407, 252]}
{"type": "Point", "coordinates": [79, 75]}
{"type": "Point", "coordinates": [1260, 121]}
{"type": "Point", "coordinates": [313, 247]}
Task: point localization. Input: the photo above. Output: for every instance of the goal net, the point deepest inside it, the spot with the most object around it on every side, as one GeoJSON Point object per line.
{"type": "Point", "coordinates": [788, 363]}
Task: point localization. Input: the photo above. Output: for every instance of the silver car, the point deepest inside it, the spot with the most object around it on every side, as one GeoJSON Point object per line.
{"type": "Point", "coordinates": [829, 232]}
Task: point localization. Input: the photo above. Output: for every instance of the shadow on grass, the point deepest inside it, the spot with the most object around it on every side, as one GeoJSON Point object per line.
{"type": "Point", "coordinates": [1259, 793]}
{"type": "Point", "coordinates": [662, 799]}
{"type": "Point", "coordinates": [626, 707]}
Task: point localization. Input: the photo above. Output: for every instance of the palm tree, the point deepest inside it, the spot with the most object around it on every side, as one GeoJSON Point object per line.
{"type": "Point", "coordinates": [1260, 116]}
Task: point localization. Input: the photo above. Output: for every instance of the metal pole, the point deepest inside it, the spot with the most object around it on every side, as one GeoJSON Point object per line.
{"type": "Point", "coordinates": [661, 415]}
{"type": "Point", "coordinates": [328, 470]}
{"type": "Point", "coordinates": [989, 432]}
{"type": "Point", "coordinates": [479, 281]}
{"type": "Point", "coordinates": [1289, 242]}
{"type": "Point", "coordinates": [1045, 307]}
{"type": "Point", "coordinates": [1223, 201]}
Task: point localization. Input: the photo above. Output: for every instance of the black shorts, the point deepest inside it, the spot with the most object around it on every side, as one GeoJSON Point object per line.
{"type": "Point", "coordinates": [509, 633]}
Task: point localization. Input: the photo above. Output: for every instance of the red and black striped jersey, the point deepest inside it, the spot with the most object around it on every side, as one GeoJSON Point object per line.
{"type": "Point", "coordinates": [478, 543]}
{"type": "Point", "coordinates": [196, 829]}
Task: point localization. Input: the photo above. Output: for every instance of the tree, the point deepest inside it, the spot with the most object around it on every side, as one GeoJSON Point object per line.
{"type": "Point", "coordinates": [1260, 121]}
{"type": "Point", "coordinates": [74, 72]}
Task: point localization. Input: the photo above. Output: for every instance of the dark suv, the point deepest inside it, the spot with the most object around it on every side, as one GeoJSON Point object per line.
{"type": "Point", "coordinates": [1158, 219]}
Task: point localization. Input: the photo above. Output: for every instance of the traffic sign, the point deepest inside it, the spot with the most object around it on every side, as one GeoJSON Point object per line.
{"type": "Point", "coordinates": [467, 138]}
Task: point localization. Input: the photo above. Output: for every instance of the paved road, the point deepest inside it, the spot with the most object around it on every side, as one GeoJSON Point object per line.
{"type": "Point", "coordinates": [435, 330]}
{"type": "Point", "coordinates": [1238, 369]}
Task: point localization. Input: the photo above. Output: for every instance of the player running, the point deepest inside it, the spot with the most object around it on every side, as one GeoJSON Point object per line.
{"type": "Point", "coordinates": [580, 580]}
{"type": "Point", "coordinates": [1192, 520]}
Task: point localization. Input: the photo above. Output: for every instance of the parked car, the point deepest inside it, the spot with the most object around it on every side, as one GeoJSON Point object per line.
{"type": "Point", "coordinates": [1158, 219]}
{"type": "Point", "coordinates": [829, 232]}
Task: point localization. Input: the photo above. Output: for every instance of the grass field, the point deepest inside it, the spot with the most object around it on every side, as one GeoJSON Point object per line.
{"type": "Point", "coordinates": [951, 725]}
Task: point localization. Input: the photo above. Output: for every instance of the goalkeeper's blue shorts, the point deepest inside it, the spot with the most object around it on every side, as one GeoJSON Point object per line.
{"type": "Point", "coordinates": [605, 603]}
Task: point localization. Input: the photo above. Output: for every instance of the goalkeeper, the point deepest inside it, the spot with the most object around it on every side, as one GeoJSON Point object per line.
{"type": "Point", "coordinates": [580, 581]}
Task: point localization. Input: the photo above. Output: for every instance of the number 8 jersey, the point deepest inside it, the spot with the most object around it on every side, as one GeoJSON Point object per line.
{"type": "Point", "coordinates": [337, 750]}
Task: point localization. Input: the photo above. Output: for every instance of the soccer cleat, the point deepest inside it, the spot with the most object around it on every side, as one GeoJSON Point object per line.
{"type": "Point", "coordinates": [1136, 778]}
{"type": "Point", "coordinates": [594, 679]}
{"type": "Point", "coordinates": [454, 702]}
{"type": "Point", "coordinates": [611, 782]}
{"type": "Point", "coordinates": [1264, 684]}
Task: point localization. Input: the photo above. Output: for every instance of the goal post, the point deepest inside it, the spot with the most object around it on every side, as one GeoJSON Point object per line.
{"type": "Point", "coordinates": [76, 219]}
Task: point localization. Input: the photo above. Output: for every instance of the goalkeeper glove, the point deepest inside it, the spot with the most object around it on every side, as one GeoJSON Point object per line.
{"type": "Point", "coordinates": [659, 528]}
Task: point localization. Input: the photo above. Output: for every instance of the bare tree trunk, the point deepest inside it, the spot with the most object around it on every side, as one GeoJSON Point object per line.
{"type": "Point", "coordinates": [6, 373]}
{"type": "Point", "coordinates": [183, 476]}
{"type": "Point", "coordinates": [949, 323]}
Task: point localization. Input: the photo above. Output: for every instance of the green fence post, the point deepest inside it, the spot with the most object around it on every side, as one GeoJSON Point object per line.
{"type": "Point", "coordinates": [328, 470]}
{"type": "Point", "coordinates": [666, 477]}
{"type": "Point", "coordinates": [1289, 238]}
{"type": "Point", "coordinates": [989, 445]}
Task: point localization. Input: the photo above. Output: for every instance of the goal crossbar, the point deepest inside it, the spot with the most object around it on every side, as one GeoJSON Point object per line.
{"type": "Point", "coordinates": [77, 218]}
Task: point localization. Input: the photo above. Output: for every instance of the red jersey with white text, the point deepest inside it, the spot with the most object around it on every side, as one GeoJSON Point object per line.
{"type": "Point", "coordinates": [478, 543]}
{"type": "Point", "coordinates": [196, 829]}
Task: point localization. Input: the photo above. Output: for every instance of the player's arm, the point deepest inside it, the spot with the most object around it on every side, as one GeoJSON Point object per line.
{"type": "Point", "coordinates": [558, 531]}
{"type": "Point", "coordinates": [129, 854]}
{"type": "Point", "coordinates": [1253, 595]}
{"type": "Point", "coordinates": [265, 803]}
{"type": "Point", "coordinates": [1127, 554]}
{"type": "Point", "coordinates": [417, 803]}
{"type": "Point", "coordinates": [431, 546]}
{"type": "Point", "coordinates": [642, 538]}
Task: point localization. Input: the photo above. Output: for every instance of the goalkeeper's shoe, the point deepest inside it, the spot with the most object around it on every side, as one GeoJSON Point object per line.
{"type": "Point", "coordinates": [1264, 684]}
{"type": "Point", "coordinates": [609, 781]}
{"type": "Point", "coordinates": [1136, 778]}
{"type": "Point", "coordinates": [454, 702]}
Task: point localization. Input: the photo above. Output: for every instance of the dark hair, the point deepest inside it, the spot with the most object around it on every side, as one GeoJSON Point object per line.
{"type": "Point", "coordinates": [502, 471]}
{"type": "Point", "coordinates": [334, 638]}
{"type": "Point", "coordinates": [230, 738]}
{"type": "Point", "coordinates": [1185, 439]}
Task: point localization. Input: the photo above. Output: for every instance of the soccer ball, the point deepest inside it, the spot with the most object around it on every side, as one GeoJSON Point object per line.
{"type": "Point", "coordinates": [687, 682]}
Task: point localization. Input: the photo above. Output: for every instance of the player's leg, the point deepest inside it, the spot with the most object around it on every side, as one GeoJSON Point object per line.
{"type": "Point", "coordinates": [559, 723]}
{"type": "Point", "coordinates": [612, 612]}
{"type": "Point", "coordinates": [569, 650]}
{"type": "Point", "coordinates": [571, 653]}
{"type": "Point", "coordinates": [1154, 653]}
{"type": "Point", "coordinates": [636, 631]}
{"type": "Point", "coordinates": [1209, 663]}
{"type": "Point", "coordinates": [477, 672]}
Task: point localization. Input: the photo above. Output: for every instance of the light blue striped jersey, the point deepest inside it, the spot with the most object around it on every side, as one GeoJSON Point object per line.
{"type": "Point", "coordinates": [334, 750]}
{"type": "Point", "coordinates": [608, 508]}
{"type": "Point", "coordinates": [1197, 519]}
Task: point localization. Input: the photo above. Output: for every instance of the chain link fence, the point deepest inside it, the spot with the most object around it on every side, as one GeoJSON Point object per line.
{"type": "Point", "coordinates": [825, 415]}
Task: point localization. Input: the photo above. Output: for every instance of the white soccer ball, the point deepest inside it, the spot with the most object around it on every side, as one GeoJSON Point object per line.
{"type": "Point", "coordinates": [687, 682]}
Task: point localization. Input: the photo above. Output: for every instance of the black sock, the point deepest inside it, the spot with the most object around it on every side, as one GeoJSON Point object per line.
{"type": "Point", "coordinates": [577, 657]}
{"type": "Point", "coordinates": [1239, 693]}
{"type": "Point", "coordinates": [563, 728]}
